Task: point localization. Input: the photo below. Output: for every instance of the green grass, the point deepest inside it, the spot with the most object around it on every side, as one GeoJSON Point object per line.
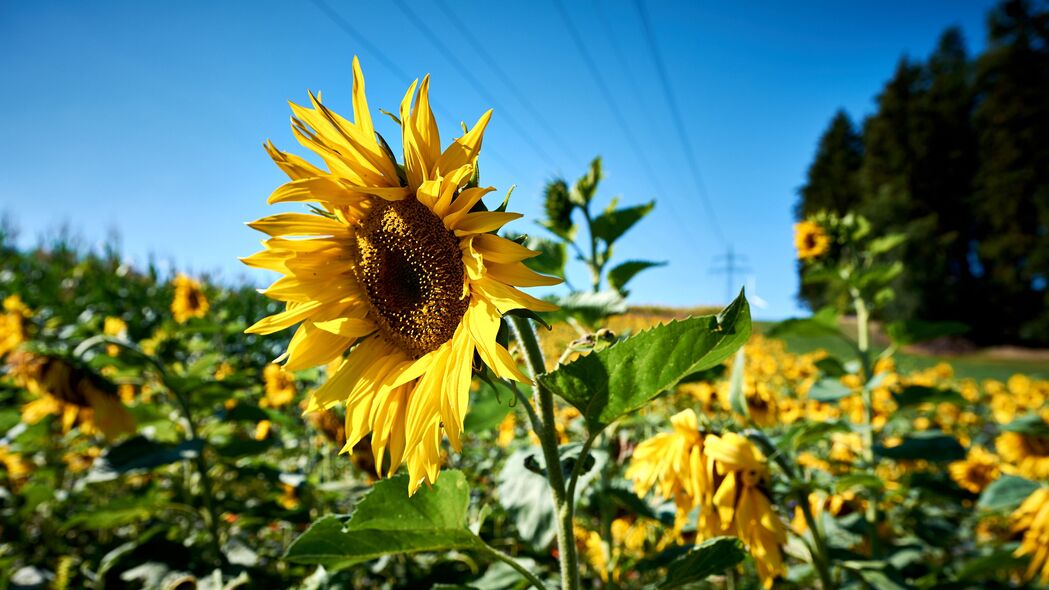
{"type": "Point", "coordinates": [974, 366]}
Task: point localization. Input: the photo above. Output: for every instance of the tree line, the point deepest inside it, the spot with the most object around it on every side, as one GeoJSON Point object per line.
{"type": "Point", "coordinates": [957, 158]}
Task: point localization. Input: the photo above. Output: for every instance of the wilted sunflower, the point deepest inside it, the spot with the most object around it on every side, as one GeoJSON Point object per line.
{"type": "Point", "coordinates": [1026, 454]}
{"type": "Point", "coordinates": [674, 460]}
{"type": "Point", "coordinates": [189, 301]}
{"type": "Point", "coordinates": [810, 240]}
{"type": "Point", "coordinates": [73, 393]}
{"type": "Point", "coordinates": [742, 501]}
{"type": "Point", "coordinates": [1032, 519]}
{"type": "Point", "coordinates": [399, 263]}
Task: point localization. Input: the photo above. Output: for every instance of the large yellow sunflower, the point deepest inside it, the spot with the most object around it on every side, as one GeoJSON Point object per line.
{"type": "Point", "coordinates": [399, 263]}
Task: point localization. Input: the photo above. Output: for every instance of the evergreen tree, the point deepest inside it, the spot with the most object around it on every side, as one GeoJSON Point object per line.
{"type": "Point", "coordinates": [832, 183]}
{"type": "Point", "coordinates": [1012, 181]}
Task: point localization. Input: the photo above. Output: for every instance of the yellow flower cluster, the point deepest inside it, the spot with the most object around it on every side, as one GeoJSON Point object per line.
{"type": "Point", "coordinates": [1032, 521]}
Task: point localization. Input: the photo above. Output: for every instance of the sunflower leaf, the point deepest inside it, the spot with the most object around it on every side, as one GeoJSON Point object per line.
{"type": "Point", "coordinates": [619, 276]}
{"type": "Point", "coordinates": [1006, 493]}
{"type": "Point", "coordinates": [610, 226]}
{"type": "Point", "coordinates": [624, 377]}
{"type": "Point", "coordinates": [710, 557]}
{"type": "Point", "coordinates": [387, 521]}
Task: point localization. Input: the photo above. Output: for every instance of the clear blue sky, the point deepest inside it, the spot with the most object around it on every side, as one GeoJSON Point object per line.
{"type": "Point", "coordinates": [148, 117]}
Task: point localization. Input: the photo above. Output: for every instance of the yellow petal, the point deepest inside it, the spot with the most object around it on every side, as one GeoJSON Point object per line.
{"type": "Point", "coordinates": [465, 149]}
{"type": "Point", "coordinates": [501, 250]}
{"type": "Point", "coordinates": [519, 275]}
{"type": "Point", "coordinates": [484, 221]}
{"type": "Point", "coordinates": [298, 224]}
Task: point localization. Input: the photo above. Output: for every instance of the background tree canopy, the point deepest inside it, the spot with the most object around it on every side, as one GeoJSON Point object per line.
{"type": "Point", "coordinates": [956, 157]}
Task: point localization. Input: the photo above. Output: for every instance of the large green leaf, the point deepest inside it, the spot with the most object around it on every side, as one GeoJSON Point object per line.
{"type": "Point", "coordinates": [387, 521]}
{"type": "Point", "coordinates": [624, 377]}
{"type": "Point", "coordinates": [1030, 424]}
{"type": "Point", "coordinates": [611, 225]}
{"type": "Point", "coordinates": [1007, 493]}
{"type": "Point", "coordinates": [710, 557]}
{"type": "Point", "coordinates": [622, 274]}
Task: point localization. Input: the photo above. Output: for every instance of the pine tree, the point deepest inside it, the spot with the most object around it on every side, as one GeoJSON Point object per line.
{"type": "Point", "coordinates": [1011, 195]}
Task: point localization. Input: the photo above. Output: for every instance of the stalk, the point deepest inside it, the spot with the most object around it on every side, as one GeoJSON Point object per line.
{"type": "Point", "coordinates": [863, 345]}
{"type": "Point", "coordinates": [563, 503]}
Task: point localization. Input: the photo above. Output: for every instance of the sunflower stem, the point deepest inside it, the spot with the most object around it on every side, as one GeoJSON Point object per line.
{"type": "Point", "coordinates": [863, 345]}
{"type": "Point", "coordinates": [211, 515]}
{"type": "Point", "coordinates": [563, 503]}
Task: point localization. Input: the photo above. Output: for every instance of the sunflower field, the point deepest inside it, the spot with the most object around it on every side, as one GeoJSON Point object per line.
{"type": "Point", "coordinates": [396, 411]}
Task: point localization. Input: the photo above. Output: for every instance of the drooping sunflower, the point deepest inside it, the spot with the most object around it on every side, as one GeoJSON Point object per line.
{"type": "Point", "coordinates": [75, 394]}
{"type": "Point", "coordinates": [189, 301]}
{"type": "Point", "coordinates": [810, 240]}
{"type": "Point", "coordinates": [742, 501]}
{"type": "Point", "coordinates": [673, 462]}
{"type": "Point", "coordinates": [1026, 454]}
{"type": "Point", "coordinates": [398, 264]}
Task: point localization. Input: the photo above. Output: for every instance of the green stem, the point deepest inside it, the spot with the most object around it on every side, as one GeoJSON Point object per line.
{"type": "Point", "coordinates": [863, 345]}
{"type": "Point", "coordinates": [563, 503]}
{"type": "Point", "coordinates": [211, 515]}
{"type": "Point", "coordinates": [510, 561]}
{"type": "Point", "coordinates": [595, 269]}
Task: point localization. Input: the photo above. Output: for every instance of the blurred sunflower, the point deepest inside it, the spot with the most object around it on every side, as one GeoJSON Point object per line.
{"type": "Point", "coordinates": [742, 501]}
{"type": "Point", "coordinates": [1032, 520]}
{"type": "Point", "coordinates": [976, 471]}
{"type": "Point", "coordinates": [280, 387]}
{"type": "Point", "coordinates": [12, 324]}
{"type": "Point", "coordinates": [674, 460]}
{"type": "Point", "coordinates": [810, 240]}
{"type": "Point", "coordinates": [75, 394]}
{"type": "Point", "coordinates": [115, 328]}
{"type": "Point", "coordinates": [399, 263]}
{"type": "Point", "coordinates": [1026, 454]}
{"type": "Point", "coordinates": [189, 301]}
{"type": "Point", "coordinates": [16, 468]}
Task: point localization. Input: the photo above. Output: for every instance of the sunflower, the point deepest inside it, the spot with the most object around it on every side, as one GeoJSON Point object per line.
{"type": "Point", "coordinates": [74, 393]}
{"type": "Point", "coordinates": [810, 240]}
{"type": "Point", "coordinates": [114, 327]}
{"type": "Point", "coordinates": [1032, 519]}
{"type": "Point", "coordinates": [397, 264]}
{"type": "Point", "coordinates": [12, 324]}
{"type": "Point", "coordinates": [976, 471]}
{"type": "Point", "coordinates": [1026, 454]}
{"type": "Point", "coordinates": [674, 460]}
{"type": "Point", "coordinates": [15, 468]}
{"type": "Point", "coordinates": [280, 387]}
{"type": "Point", "coordinates": [742, 501]}
{"type": "Point", "coordinates": [189, 301]}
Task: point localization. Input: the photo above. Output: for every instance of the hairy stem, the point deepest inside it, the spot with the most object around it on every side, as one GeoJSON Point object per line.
{"type": "Point", "coordinates": [563, 503]}
{"type": "Point", "coordinates": [863, 345]}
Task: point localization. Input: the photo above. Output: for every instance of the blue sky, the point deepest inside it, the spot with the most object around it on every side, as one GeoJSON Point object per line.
{"type": "Point", "coordinates": [148, 117]}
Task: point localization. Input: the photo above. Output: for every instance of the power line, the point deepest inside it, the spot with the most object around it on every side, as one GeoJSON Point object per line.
{"type": "Point", "coordinates": [466, 73]}
{"type": "Point", "coordinates": [595, 73]}
{"type": "Point", "coordinates": [507, 80]}
{"type": "Point", "coordinates": [375, 52]}
{"type": "Point", "coordinates": [678, 120]}
{"type": "Point", "coordinates": [733, 264]}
